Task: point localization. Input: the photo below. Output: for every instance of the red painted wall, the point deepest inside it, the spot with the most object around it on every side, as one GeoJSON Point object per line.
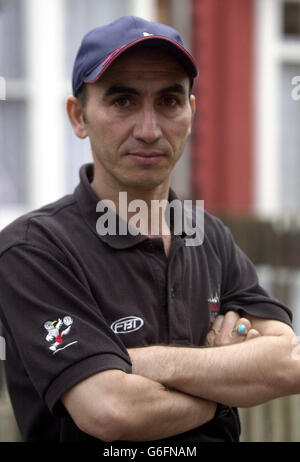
{"type": "Point", "coordinates": [222, 146]}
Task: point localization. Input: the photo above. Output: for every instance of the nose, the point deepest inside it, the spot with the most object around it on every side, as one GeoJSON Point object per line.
{"type": "Point", "coordinates": [147, 128]}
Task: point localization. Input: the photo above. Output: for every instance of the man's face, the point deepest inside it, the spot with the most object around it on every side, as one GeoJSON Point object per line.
{"type": "Point", "coordinates": [138, 117]}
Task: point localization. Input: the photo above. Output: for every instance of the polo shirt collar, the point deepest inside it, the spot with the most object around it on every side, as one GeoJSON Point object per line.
{"type": "Point", "coordinates": [87, 201]}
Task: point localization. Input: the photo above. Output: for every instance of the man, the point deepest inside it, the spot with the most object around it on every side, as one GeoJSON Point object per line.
{"type": "Point", "coordinates": [103, 329]}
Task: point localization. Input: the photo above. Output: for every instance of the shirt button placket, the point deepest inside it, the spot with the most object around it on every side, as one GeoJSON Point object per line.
{"type": "Point", "coordinates": [179, 331]}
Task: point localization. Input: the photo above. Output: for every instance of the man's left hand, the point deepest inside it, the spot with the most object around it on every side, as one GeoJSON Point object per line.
{"type": "Point", "coordinates": [224, 330]}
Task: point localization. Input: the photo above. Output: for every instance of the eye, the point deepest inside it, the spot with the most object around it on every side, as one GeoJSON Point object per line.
{"type": "Point", "coordinates": [123, 102]}
{"type": "Point", "coordinates": [170, 101]}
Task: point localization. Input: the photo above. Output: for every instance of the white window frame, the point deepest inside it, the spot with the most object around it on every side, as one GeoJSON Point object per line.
{"type": "Point", "coordinates": [271, 52]}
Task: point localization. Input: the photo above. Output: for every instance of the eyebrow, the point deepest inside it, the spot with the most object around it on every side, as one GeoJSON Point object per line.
{"type": "Point", "coordinates": [177, 88]}
{"type": "Point", "coordinates": [119, 89]}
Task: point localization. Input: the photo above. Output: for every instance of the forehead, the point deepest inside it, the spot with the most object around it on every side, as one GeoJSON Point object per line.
{"type": "Point", "coordinates": [145, 64]}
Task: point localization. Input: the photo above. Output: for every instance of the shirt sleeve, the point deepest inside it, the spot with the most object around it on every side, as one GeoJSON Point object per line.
{"type": "Point", "coordinates": [241, 290]}
{"type": "Point", "coordinates": [58, 329]}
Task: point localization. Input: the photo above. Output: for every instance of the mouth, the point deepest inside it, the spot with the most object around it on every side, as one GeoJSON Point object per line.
{"type": "Point", "coordinates": [146, 157]}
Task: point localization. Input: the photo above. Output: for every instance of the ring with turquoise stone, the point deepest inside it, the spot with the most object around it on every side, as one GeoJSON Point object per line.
{"type": "Point", "coordinates": [241, 329]}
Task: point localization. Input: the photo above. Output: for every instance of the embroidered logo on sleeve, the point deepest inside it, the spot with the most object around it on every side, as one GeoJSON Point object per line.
{"type": "Point", "coordinates": [57, 330]}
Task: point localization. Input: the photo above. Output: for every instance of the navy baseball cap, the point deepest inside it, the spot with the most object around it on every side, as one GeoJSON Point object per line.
{"type": "Point", "coordinates": [101, 46]}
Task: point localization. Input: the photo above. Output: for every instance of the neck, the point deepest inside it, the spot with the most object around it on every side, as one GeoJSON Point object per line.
{"type": "Point", "coordinates": [142, 208]}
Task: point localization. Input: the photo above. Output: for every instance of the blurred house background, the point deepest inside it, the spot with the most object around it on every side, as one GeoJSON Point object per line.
{"type": "Point", "coordinates": [243, 158]}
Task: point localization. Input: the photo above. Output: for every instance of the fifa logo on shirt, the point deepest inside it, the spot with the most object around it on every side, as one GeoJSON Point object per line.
{"type": "Point", "coordinates": [2, 349]}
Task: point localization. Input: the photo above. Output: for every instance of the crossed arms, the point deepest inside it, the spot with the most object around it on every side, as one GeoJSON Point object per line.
{"type": "Point", "coordinates": [175, 389]}
{"type": "Point", "coordinates": [242, 374]}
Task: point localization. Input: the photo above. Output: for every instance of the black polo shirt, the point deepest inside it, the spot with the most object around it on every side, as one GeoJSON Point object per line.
{"type": "Point", "coordinates": [72, 302]}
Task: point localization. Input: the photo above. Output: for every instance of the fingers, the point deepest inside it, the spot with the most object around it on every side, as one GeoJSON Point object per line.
{"type": "Point", "coordinates": [218, 323]}
{"type": "Point", "coordinates": [221, 330]}
{"type": "Point", "coordinates": [224, 336]}
{"type": "Point", "coordinates": [210, 338]}
{"type": "Point", "coordinates": [249, 333]}
{"type": "Point", "coordinates": [242, 322]}
{"type": "Point", "coordinates": [230, 321]}
{"type": "Point", "coordinates": [253, 333]}
{"type": "Point", "coordinates": [214, 330]}
{"type": "Point", "coordinates": [229, 329]}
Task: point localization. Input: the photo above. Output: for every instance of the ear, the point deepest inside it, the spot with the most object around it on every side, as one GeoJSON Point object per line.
{"type": "Point", "coordinates": [193, 110]}
{"type": "Point", "coordinates": [75, 114]}
{"type": "Point", "coordinates": [193, 104]}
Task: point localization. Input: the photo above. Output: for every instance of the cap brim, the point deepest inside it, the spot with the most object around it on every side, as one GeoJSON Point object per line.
{"type": "Point", "coordinates": [164, 43]}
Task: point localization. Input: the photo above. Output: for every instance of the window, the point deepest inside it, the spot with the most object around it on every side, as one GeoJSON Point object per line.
{"type": "Point", "coordinates": [11, 32]}
{"type": "Point", "coordinates": [277, 109]}
{"type": "Point", "coordinates": [13, 109]}
{"type": "Point", "coordinates": [12, 159]}
{"type": "Point", "coordinates": [289, 110]}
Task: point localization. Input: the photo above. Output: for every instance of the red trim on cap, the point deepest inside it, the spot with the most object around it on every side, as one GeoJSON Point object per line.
{"type": "Point", "coordinates": [111, 55]}
{"type": "Point", "coordinates": [115, 54]}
